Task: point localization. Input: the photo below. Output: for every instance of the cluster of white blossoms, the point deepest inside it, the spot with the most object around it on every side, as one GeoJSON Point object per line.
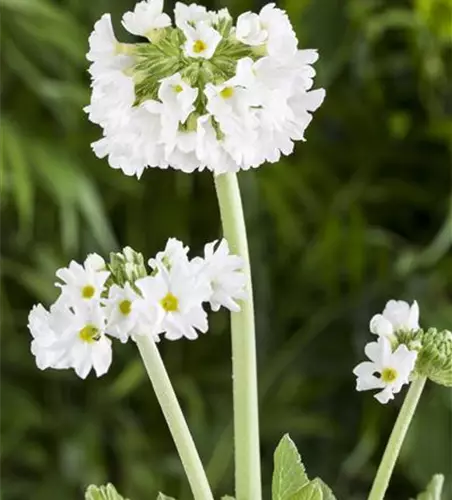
{"type": "Point", "coordinates": [200, 94]}
{"type": "Point", "coordinates": [122, 300]}
{"type": "Point", "coordinates": [389, 369]}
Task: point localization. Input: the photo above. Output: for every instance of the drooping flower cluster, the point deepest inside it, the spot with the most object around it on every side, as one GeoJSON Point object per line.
{"type": "Point", "coordinates": [200, 94]}
{"type": "Point", "coordinates": [389, 369]}
{"type": "Point", "coordinates": [122, 300]}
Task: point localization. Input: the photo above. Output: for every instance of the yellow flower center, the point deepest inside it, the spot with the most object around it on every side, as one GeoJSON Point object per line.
{"type": "Point", "coordinates": [388, 375]}
{"type": "Point", "coordinates": [125, 307]}
{"type": "Point", "coordinates": [88, 292]}
{"type": "Point", "coordinates": [170, 303]}
{"type": "Point", "coordinates": [199, 46]}
{"type": "Point", "coordinates": [178, 89]}
{"type": "Point", "coordinates": [227, 93]}
{"type": "Point", "coordinates": [89, 333]}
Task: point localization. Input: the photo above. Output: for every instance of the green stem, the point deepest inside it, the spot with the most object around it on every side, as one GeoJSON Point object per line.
{"type": "Point", "coordinates": [174, 418]}
{"type": "Point", "coordinates": [246, 420]}
{"type": "Point", "coordinates": [396, 439]}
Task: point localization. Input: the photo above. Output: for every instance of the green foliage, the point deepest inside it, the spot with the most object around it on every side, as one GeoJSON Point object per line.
{"type": "Point", "coordinates": [433, 491]}
{"type": "Point", "coordinates": [359, 214]}
{"type": "Point", "coordinates": [104, 493]}
{"type": "Point", "coordinates": [290, 481]}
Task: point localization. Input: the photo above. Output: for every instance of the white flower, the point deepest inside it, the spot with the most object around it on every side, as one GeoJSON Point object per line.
{"type": "Point", "coordinates": [224, 272]}
{"type": "Point", "coordinates": [272, 27]}
{"type": "Point", "coordinates": [221, 15]}
{"type": "Point", "coordinates": [393, 369]}
{"type": "Point", "coordinates": [249, 29]}
{"type": "Point", "coordinates": [70, 338]}
{"type": "Point", "coordinates": [202, 41]}
{"type": "Point", "coordinates": [178, 294]}
{"type": "Point", "coordinates": [397, 315]}
{"type": "Point", "coordinates": [46, 328]}
{"type": "Point", "coordinates": [146, 16]}
{"type": "Point", "coordinates": [177, 98]}
{"type": "Point", "coordinates": [174, 252]}
{"type": "Point", "coordinates": [85, 342]}
{"type": "Point", "coordinates": [83, 284]}
{"type": "Point", "coordinates": [190, 15]}
{"type": "Point", "coordinates": [123, 317]}
{"type": "Point", "coordinates": [102, 42]}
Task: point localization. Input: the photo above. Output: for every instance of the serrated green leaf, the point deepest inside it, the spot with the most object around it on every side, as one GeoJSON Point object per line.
{"type": "Point", "coordinates": [434, 489]}
{"type": "Point", "coordinates": [107, 492]}
{"type": "Point", "coordinates": [289, 474]}
{"type": "Point", "coordinates": [326, 490]}
{"type": "Point", "coordinates": [164, 497]}
{"type": "Point", "coordinates": [311, 491]}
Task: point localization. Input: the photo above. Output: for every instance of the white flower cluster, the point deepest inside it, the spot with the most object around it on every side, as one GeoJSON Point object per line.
{"type": "Point", "coordinates": [200, 94]}
{"type": "Point", "coordinates": [389, 369]}
{"type": "Point", "coordinates": [170, 300]}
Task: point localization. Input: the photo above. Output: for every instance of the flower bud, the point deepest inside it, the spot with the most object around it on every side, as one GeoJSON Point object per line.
{"type": "Point", "coordinates": [127, 266]}
{"type": "Point", "coordinates": [434, 353]}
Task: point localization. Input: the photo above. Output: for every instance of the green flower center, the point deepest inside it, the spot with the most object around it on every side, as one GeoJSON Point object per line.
{"type": "Point", "coordinates": [125, 306]}
{"type": "Point", "coordinates": [89, 333]}
{"type": "Point", "coordinates": [178, 89]}
{"type": "Point", "coordinates": [88, 292]}
{"type": "Point", "coordinates": [170, 303]}
{"type": "Point", "coordinates": [388, 375]}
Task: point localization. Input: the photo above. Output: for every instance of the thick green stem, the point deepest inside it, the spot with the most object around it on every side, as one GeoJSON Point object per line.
{"type": "Point", "coordinates": [246, 420]}
{"type": "Point", "coordinates": [174, 418]}
{"type": "Point", "coordinates": [396, 440]}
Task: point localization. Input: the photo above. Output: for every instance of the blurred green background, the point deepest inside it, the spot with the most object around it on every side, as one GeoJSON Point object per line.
{"type": "Point", "coordinates": [359, 214]}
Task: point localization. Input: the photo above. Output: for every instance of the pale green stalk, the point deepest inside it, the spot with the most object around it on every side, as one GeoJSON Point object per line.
{"type": "Point", "coordinates": [396, 439]}
{"type": "Point", "coordinates": [244, 373]}
{"type": "Point", "coordinates": [174, 418]}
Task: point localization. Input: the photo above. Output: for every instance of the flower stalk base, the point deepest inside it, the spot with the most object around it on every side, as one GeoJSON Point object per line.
{"type": "Point", "coordinates": [174, 418]}
{"type": "Point", "coordinates": [246, 420]}
{"type": "Point", "coordinates": [396, 439]}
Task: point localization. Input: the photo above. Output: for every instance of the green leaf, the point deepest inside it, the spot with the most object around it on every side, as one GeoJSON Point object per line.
{"type": "Point", "coordinates": [311, 491]}
{"type": "Point", "coordinates": [434, 488]}
{"type": "Point", "coordinates": [164, 497]}
{"type": "Point", "coordinates": [289, 474]}
{"type": "Point", "coordinates": [326, 491]}
{"type": "Point", "coordinates": [227, 497]}
{"type": "Point", "coordinates": [103, 493]}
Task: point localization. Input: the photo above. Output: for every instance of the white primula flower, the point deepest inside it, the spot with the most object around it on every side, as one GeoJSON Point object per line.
{"type": "Point", "coordinates": [85, 342]}
{"type": "Point", "coordinates": [174, 252]}
{"type": "Point", "coordinates": [393, 369]}
{"type": "Point", "coordinates": [221, 15]}
{"type": "Point", "coordinates": [397, 315]}
{"type": "Point", "coordinates": [250, 30]}
{"type": "Point", "coordinates": [177, 97]}
{"type": "Point", "coordinates": [178, 294]}
{"type": "Point", "coordinates": [202, 41]}
{"type": "Point", "coordinates": [46, 328]}
{"type": "Point", "coordinates": [146, 16]}
{"type": "Point", "coordinates": [102, 42]}
{"type": "Point", "coordinates": [85, 283]}
{"type": "Point", "coordinates": [190, 15]}
{"type": "Point", "coordinates": [123, 317]}
{"type": "Point", "coordinates": [224, 272]}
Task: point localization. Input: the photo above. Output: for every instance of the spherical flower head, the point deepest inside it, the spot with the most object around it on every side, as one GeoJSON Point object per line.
{"type": "Point", "coordinates": [146, 17]}
{"type": "Point", "coordinates": [178, 294]}
{"type": "Point", "coordinates": [201, 41]}
{"type": "Point", "coordinates": [224, 272]}
{"type": "Point", "coordinates": [397, 315]}
{"type": "Point", "coordinates": [124, 319]}
{"type": "Point", "coordinates": [83, 284]}
{"type": "Point", "coordinates": [202, 94]}
{"type": "Point", "coordinates": [393, 369]}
